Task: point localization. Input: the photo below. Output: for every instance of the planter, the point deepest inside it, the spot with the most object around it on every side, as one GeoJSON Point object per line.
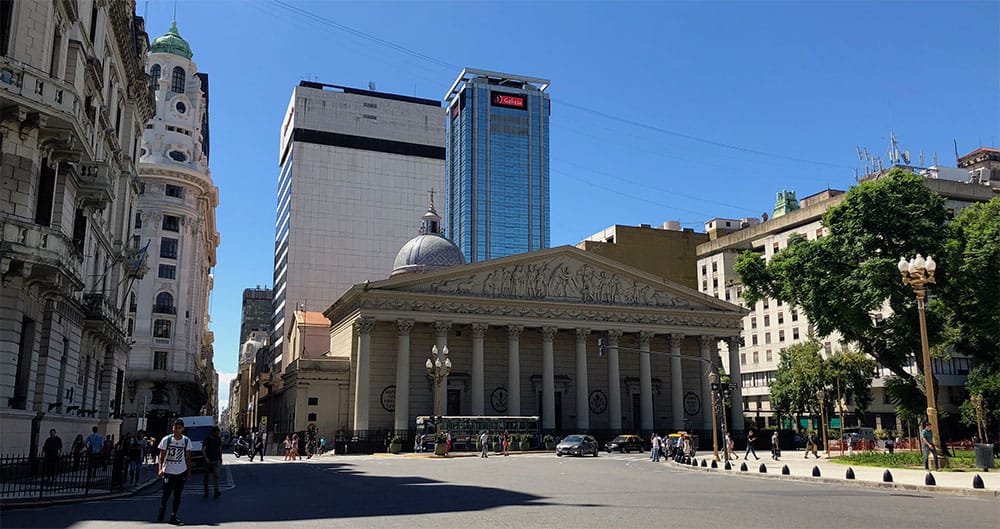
{"type": "Point", "coordinates": [524, 445]}
{"type": "Point", "coordinates": [550, 445]}
{"type": "Point", "coordinates": [440, 449]}
{"type": "Point", "coordinates": [395, 447]}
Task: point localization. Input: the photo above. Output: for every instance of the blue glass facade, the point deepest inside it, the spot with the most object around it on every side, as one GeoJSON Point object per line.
{"type": "Point", "coordinates": [498, 169]}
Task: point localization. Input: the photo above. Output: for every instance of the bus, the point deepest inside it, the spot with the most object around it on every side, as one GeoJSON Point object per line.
{"type": "Point", "coordinates": [465, 430]}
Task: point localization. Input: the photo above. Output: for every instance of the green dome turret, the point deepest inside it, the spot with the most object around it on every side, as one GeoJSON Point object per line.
{"type": "Point", "coordinates": [172, 43]}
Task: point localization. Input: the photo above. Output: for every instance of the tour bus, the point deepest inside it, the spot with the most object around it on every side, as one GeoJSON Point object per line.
{"type": "Point", "coordinates": [465, 430]}
{"type": "Point", "coordinates": [197, 429]}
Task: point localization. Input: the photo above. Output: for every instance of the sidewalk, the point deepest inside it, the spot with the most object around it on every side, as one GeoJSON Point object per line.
{"type": "Point", "coordinates": [801, 469]}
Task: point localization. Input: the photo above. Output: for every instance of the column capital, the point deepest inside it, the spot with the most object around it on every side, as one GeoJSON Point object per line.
{"type": "Point", "coordinates": [365, 325]}
{"type": "Point", "coordinates": [613, 336]}
{"type": "Point", "coordinates": [441, 329]}
{"type": "Point", "coordinates": [514, 331]}
{"type": "Point", "coordinates": [676, 340]}
{"type": "Point", "coordinates": [734, 343]}
{"type": "Point", "coordinates": [645, 337]}
{"type": "Point", "coordinates": [403, 327]}
{"type": "Point", "coordinates": [706, 341]}
{"type": "Point", "coordinates": [582, 332]}
{"type": "Point", "coordinates": [548, 333]}
{"type": "Point", "coordinates": [479, 330]}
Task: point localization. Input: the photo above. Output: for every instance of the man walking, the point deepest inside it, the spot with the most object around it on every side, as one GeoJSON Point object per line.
{"type": "Point", "coordinates": [95, 447]}
{"type": "Point", "coordinates": [213, 459]}
{"type": "Point", "coordinates": [50, 454]}
{"type": "Point", "coordinates": [174, 468]}
{"type": "Point", "coordinates": [484, 444]}
{"type": "Point", "coordinates": [927, 442]}
{"type": "Point", "coordinates": [811, 445]}
{"type": "Point", "coordinates": [751, 438]}
{"type": "Point", "coordinates": [775, 447]}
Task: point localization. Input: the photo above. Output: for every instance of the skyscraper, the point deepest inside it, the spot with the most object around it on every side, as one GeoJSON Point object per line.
{"type": "Point", "coordinates": [498, 164]}
{"type": "Point", "coordinates": [257, 310]}
{"type": "Point", "coordinates": [355, 166]}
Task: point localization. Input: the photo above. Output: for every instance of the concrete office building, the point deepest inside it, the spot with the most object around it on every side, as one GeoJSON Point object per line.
{"type": "Point", "coordinates": [257, 310]}
{"type": "Point", "coordinates": [498, 164]}
{"type": "Point", "coordinates": [355, 165]}
{"type": "Point", "coordinates": [668, 251]}
{"type": "Point", "coordinates": [74, 101]}
{"type": "Point", "coordinates": [171, 371]}
{"type": "Point", "coordinates": [772, 325]}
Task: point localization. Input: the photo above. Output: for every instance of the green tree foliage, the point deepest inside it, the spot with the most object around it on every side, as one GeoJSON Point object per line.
{"type": "Point", "coordinates": [854, 371]}
{"type": "Point", "coordinates": [986, 382]}
{"type": "Point", "coordinates": [800, 373]}
{"type": "Point", "coordinates": [840, 279]}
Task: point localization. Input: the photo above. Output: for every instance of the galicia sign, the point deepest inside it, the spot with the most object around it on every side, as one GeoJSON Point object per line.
{"type": "Point", "coordinates": [507, 100]}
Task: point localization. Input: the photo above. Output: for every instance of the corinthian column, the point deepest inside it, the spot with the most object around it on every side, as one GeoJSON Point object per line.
{"type": "Point", "coordinates": [736, 379]}
{"type": "Point", "coordinates": [582, 389]}
{"type": "Point", "coordinates": [362, 393]}
{"type": "Point", "coordinates": [614, 383]}
{"type": "Point", "coordinates": [645, 382]}
{"type": "Point", "coordinates": [478, 369]}
{"type": "Point", "coordinates": [548, 379]}
{"type": "Point", "coordinates": [401, 416]}
{"type": "Point", "coordinates": [514, 369]}
{"type": "Point", "coordinates": [676, 382]}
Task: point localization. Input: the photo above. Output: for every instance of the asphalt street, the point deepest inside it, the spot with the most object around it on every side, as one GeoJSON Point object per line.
{"type": "Point", "coordinates": [536, 490]}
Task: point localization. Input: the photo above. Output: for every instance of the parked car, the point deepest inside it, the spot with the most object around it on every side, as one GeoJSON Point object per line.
{"type": "Point", "coordinates": [577, 445]}
{"type": "Point", "coordinates": [625, 444]}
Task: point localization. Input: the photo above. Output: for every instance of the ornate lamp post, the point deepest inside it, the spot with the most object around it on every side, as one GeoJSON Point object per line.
{"type": "Point", "coordinates": [918, 273]}
{"type": "Point", "coordinates": [821, 396]}
{"type": "Point", "coordinates": [438, 370]}
{"type": "Point", "coordinates": [714, 381]}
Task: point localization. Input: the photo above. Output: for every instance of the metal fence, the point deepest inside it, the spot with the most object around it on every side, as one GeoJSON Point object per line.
{"type": "Point", "coordinates": [30, 478]}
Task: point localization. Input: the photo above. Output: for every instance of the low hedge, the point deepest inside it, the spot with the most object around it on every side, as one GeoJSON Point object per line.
{"type": "Point", "coordinates": [900, 460]}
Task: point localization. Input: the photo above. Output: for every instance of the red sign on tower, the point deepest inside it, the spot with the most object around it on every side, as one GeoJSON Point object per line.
{"type": "Point", "coordinates": [507, 100]}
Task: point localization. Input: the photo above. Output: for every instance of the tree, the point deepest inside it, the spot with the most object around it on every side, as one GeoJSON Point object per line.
{"type": "Point", "coordinates": [800, 373]}
{"type": "Point", "coordinates": [854, 371]}
{"type": "Point", "coordinates": [840, 279]}
{"type": "Point", "coordinates": [986, 382]}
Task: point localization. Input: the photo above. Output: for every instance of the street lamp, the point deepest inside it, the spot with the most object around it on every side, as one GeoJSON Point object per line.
{"type": "Point", "coordinates": [714, 385]}
{"type": "Point", "coordinates": [438, 370]}
{"type": "Point", "coordinates": [821, 396]}
{"type": "Point", "coordinates": [918, 273]}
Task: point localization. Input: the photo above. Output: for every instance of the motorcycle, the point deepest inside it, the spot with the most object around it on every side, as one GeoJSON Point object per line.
{"type": "Point", "coordinates": [241, 448]}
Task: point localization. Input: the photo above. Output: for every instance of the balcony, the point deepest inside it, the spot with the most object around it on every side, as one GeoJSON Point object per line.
{"type": "Point", "coordinates": [35, 94]}
{"type": "Point", "coordinates": [40, 254]}
{"type": "Point", "coordinates": [102, 316]}
{"type": "Point", "coordinates": [96, 184]}
{"type": "Point", "coordinates": [164, 309]}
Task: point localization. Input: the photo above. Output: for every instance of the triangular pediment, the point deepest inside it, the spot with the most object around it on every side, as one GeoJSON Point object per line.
{"type": "Point", "coordinates": [563, 274]}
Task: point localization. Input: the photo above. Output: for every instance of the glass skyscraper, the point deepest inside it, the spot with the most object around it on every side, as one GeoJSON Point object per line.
{"type": "Point", "coordinates": [497, 164]}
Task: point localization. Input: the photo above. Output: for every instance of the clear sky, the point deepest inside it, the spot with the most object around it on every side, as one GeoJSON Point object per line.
{"type": "Point", "coordinates": [660, 110]}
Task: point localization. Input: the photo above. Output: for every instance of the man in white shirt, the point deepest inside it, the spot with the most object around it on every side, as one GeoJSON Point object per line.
{"type": "Point", "coordinates": [175, 469]}
{"type": "Point", "coordinates": [484, 444]}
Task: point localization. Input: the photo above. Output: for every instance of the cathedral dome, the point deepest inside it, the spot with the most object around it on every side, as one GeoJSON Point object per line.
{"type": "Point", "coordinates": [172, 42]}
{"type": "Point", "coordinates": [428, 251]}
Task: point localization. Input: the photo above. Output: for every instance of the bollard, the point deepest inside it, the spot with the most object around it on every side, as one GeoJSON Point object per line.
{"type": "Point", "coordinates": [703, 464]}
{"type": "Point", "coordinates": [929, 479]}
{"type": "Point", "coordinates": [850, 473]}
{"type": "Point", "coordinates": [816, 473]}
{"type": "Point", "coordinates": [887, 476]}
{"type": "Point", "coordinates": [728, 466]}
{"type": "Point", "coordinates": [977, 482]}
{"type": "Point", "coordinates": [743, 467]}
{"type": "Point", "coordinates": [785, 471]}
{"type": "Point", "coordinates": [687, 460]}
{"type": "Point", "coordinates": [694, 462]}
{"type": "Point", "coordinates": [715, 464]}
{"type": "Point", "coordinates": [762, 469]}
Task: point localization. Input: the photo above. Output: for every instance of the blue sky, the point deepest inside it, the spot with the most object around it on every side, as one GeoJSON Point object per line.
{"type": "Point", "coordinates": [660, 110]}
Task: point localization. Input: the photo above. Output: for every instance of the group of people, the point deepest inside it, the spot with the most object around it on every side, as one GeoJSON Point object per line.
{"type": "Point", "coordinates": [500, 441]}
{"type": "Point", "coordinates": [301, 446]}
{"type": "Point", "coordinates": [667, 446]}
{"type": "Point", "coordinates": [97, 450]}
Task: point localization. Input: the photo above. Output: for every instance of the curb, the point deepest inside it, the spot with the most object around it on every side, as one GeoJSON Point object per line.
{"type": "Point", "coordinates": [981, 493]}
{"type": "Point", "coordinates": [5, 506]}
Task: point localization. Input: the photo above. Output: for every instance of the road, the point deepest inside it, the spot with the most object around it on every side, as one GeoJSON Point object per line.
{"type": "Point", "coordinates": [610, 491]}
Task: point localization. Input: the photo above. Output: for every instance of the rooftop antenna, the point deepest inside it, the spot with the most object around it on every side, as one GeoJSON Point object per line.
{"type": "Point", "coordinates": [175, 11]}
{"type": "Point", "coordinates": [921, 157]}
{"type": "Point", "coordinates": [956, 150]}
{"type": "Point", "coordinates": [145, 10]}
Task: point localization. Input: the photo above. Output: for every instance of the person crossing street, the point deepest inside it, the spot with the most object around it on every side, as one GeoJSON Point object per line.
{"type": "Point", "coordinates": [175, 469]}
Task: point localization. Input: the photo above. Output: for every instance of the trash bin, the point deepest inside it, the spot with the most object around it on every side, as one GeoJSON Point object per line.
{"type": "Point", "coordinates": [984, 456]}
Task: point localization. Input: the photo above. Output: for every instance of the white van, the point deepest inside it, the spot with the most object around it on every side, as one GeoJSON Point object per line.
{"type": "Point", "coordinates": [197, 429]}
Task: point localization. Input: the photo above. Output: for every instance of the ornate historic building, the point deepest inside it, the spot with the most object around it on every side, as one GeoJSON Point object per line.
{"type": "Point", "coordinates": [73, 103]}
{"type": "Point", "coordinates": [171, 371]}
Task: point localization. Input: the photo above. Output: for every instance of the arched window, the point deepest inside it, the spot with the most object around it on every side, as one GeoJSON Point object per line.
{"type": "Point", "coordinates": [177, 81]}
{"type": "Point", "coordinates": [154, 77]}
{"type": "Point", "coordinates": [165, 299]}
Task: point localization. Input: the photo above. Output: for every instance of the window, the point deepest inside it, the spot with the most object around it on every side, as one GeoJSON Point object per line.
{"type": "Point", "coordinates": [181, 107]}
{"type": "Point", "coordinates": [130, 326]}
{"type": "Point", "coordinates": [154, 77]}
{"type": "Point", "coordinates": [715, 283]}
{"type": "Point", "coordinates": [131, 302]}
{"type": "Point", "coordinates": [781, 335]}
{"type": "Point", "coordinates": [753, 339]}
{"type": "Point", "coordinates": [767, 355]}
{"type": "Point", "coordinates": [795, 315]}
{"type": "Point", "coordinates": [779, 302]}
{"type": "Point", "coordinates": [795, 333]}
{"type": "Point", "coordinates": [160, 360]}
{"type": "Point", "coordinates": [177, 81]}
{"type": "Point", "coordinates": [171, 223]}
{"type": "Point", "coordinates": [715, 266]}
{"type": "Point", "coordinates": [753, 322]}
{"type": "Point", "coordinates": [704, 270]}
{"type": "Point", "coordinates": [743, 358]}
{"type": "Point", "coordinates": [767, 337]}
{"type": "Point", "coordinates": [314, 401]}
{"type": "Point", "coordinates": [138, 220]}
{"type": "Point", "coordinates": [781, 318]}
{"type": "Point", "coordinates": [311, 417]}
{"type": "Point", "coordinates": [704, 285]}
{"type": "Point", "coordinates": [767, 320]}
{"type": "Point", "coordinates": [168, 248]}
{"type": "Point", "coordinates": [775, 247]}
{"type": "Point", "coordinates": [161, 329]}
{"type": "Point", "coordinates": [174, 191]}
{"type": "Point", "coordinates": [767, 303]}
{"type": "Point", "coordinates": [828, 348]}
{"type": "Point", "coordinates": [164, 301]}
{"type": "Point", "coordinates": [756, 357]}
{"type": "Point", "coordinates": [178, 156]}
{"type": "Point", "coordinates": [168, 272]}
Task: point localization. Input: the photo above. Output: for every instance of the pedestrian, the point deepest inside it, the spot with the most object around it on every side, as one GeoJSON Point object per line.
{"type": "Point", "coordinates": [484, 444]}
{"type": "Point", "coordinates": [133, 446]}
{"type": "Point", "coordinates": [95, 447]}
{"type": "Point", "coordinates": [890, 445]}
{"type": "Point", "coordinates": [775, 447]}
{"type": "Point", "coordinates": [730, 447]}
{"type": "Point", "coordinates": [50, 454]}
{"type": "Point", "coordinates": [300, 445]}
{"type": "Point", "coordinates": [77, 449]}
{"type": "Point", "coordinates": [506, 443]}
{"type": "Point", "coordinates": [657, 444]}
{"type": "Point", "coordinates": [751, 439]}
{"type": "Point", "coordinates": [811, 445]}
{"type": "Point", "coordinates": [212, 447]}
{"type": "Point", "coordinates": [106, 450]}
{"type": "Point", "coordinates": [287, 444]}
{"type": "Point", "coordinates": [174, 468]}
{"type": "Point", "coordinates": [258, 447]}
{"type": "Point", "coordinates": [927, 442]}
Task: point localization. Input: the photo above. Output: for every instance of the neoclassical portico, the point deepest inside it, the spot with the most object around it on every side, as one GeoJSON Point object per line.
{"type": "Point", "coordinates": [522, 335]}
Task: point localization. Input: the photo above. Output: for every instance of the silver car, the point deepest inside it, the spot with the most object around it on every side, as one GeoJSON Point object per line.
{"type": "Point", "coordinates": [577, 445]}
